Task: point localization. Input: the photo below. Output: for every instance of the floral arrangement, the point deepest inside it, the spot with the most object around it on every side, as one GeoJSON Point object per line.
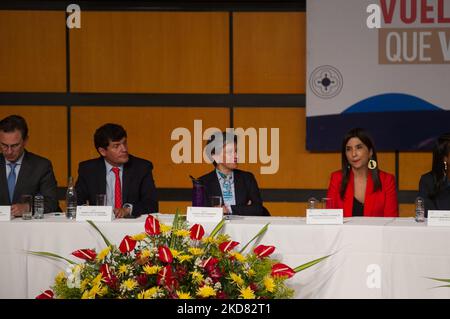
{"type": "Point", "coordinates": [174, 262]}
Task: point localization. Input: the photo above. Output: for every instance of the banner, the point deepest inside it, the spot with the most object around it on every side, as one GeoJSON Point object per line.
{"type": "Point", "coordinates": [381, 65]}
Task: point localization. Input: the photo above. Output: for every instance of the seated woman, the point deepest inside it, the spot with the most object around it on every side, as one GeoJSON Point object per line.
{"type": "Point", "coordinates": [238, 189]}
{"type": "Point", "coordinates": [360, 188]}
{"type": "Point", "coordinates": [434, 186]}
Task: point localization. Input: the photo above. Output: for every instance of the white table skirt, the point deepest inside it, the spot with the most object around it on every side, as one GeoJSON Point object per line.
{"type": "Point", "coordinates": [403, 253]}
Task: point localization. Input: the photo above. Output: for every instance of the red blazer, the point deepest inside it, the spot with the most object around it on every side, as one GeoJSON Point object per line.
{"type": "Point", "coordinates": [382, 203]}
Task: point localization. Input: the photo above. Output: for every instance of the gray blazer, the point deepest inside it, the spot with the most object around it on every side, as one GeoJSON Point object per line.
{"type": "Point", "coordinates": [35, 176]}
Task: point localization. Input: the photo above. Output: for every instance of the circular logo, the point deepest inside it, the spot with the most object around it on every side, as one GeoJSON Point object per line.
{"type": "Point", "coordinates": [326, 81]}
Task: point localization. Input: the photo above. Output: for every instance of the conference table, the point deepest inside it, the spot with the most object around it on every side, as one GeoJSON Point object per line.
{"type": "Point", "coordinates": [371, 257]}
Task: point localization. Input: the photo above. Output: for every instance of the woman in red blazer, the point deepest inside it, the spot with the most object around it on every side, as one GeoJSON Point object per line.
{"type": "Point", "coordinates": [360, 188]}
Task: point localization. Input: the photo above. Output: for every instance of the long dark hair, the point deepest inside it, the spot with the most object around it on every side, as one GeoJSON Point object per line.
{"type": "Point", "coordinates": [441, 149]}
{"type": "Point", "coordinates": [367, 141]}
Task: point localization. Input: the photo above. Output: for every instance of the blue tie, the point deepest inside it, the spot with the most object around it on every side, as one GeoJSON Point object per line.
{"type": "Point", "coordinates": [12, 180]}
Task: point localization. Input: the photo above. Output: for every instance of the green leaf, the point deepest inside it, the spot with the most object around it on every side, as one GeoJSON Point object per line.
{"type": "Point", "coordinates": [107, 242]}
{"type": "Point", "coordinates": [51, 255]}
{"type": "Point", "coordinates": [444, 286]}
{"type": "Point", "coordinates": [310, 264]}
{"type": "Point", "coordinates": [259, 234]}
{"type": "Point", "coordinates": [438, 279]}
{"type": "Point", "coordinates": [218, 227]}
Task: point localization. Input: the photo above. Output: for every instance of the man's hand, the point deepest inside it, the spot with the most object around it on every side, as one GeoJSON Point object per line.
{"type": "Point", "coordinates": [122, 212]}
{"type": "Point", "coordinates": [18, 209]}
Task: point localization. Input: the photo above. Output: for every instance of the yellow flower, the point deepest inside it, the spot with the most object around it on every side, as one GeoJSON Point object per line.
{"type": "Point", "coordinates": [196, 251]}
{"type": "Point", "coordinates": [221, 238]}
{"type": "Point", "coordinates": [103, 291]}
{"type": "Point", "coordinates": [269, 283]}
{"type": "Point", "coordinates": [238, 256]}
{"type": "Point", "coordinates": [174, 252]}
{"type": "Point", "coordinates": [129, 284]}
{"type": "Point", "coordinates": [247, 293]}
{"type": "Point", "coordinates": [139, 237]}
{"type": "Point", "coordinates": [84, 284]}
{"type": "Point", "coordinates": [206, 291]}
{"type": "Point", "coordinates": [182, 233]}
{"type": "Point", "coordinates": [236, 279]}
{"type": "Point", "coordinates": [151, 270]}
{"type": "Point", "coordinates": [96, 281]}
{"type": "Point", "coordinates": [95, 290]}
{"type": "Point", "coordinates": [145, 253]}
{"type": "Point", "coordinates": [183, 295]}
{"type": "Point", "coordinates": [86, 295]}
{"type": "Point", "coordinates": [197, 277]}
{"type": "Point", "coordinates": [208, 240]}
{"type": "Point", "coordinates": [103, 253]}
{"type": "Point", "coordinates": [165, 228]}
{"type": "Point", "coordinates": [149, 293]}
{"type": "Point", "coordinates": [123, 269]}
{"type": "Point", "coordinates": [251, 272]}
{"type": "Point", "coordinates": [183, 258]}
{"type": "Point", "coordinates": [60, 277]}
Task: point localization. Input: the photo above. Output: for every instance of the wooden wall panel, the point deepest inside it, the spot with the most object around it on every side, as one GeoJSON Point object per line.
{"type": "Point", "coordinates": [407, 210]}
{"type": "Point", "coordinates": [149, 136]}
{"type": "Point", "coordinates": [33, 51]}
{"type": "Point", "coordinates": [286, 209]}
{"type": "Point", "coordinates": [47, 129]}
{"type": "Point", "coordinates": [412, 166]}
{"type": "Point", "coordinates": [151, 52]}
{"type": "Point", "coordinates": [171, 207]}
{"type": "Point", "coordinates": [269, 52]}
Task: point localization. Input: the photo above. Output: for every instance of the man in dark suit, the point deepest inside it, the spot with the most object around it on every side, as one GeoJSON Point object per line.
{"type": "Point", "coordinates": [22, 172]}
{"type": "Point", "coordinates": [126, 180]}
{"type": "Point", "coordinates": [238, 189]}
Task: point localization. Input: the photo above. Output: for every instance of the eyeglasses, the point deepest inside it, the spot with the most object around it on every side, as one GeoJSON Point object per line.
{"type": "Point", "coordinates": [13, 147]}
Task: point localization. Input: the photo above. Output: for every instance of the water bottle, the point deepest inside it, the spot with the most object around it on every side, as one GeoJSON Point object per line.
{"type": "Point", "coordinates": [420, 210]}
{"type": "Point", "coordinates": [39, 206]}
{"type": "Point", "coordinates": [198, 193]}
{"type": "Point", "coordinates": [71, 200]}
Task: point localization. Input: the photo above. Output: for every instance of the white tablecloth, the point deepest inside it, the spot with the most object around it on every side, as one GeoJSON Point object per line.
{"type": "Point", "coordinates": [374, 257]}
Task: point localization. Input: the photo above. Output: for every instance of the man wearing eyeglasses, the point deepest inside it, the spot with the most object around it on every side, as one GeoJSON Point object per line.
{"type": "Point", "coordinates": [22, 172]}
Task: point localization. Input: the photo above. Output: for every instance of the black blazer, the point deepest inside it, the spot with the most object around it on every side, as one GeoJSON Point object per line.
{"type": "Point", "coordinates": [138, 186]}
{"type": "Point", "coordinates": [35, 176]}
{"type": "Point", "coordinates": [246, 191]}
{"type": "Point", "coordinates": [426, 186]}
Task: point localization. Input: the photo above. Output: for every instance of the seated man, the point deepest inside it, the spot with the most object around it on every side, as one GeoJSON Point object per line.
{"type": "Point", "coordinates": [22, 172]}
{"type": "Point", "coordinates": [238, 189]}
{"type": "Point", "coordinates": [126, 180]}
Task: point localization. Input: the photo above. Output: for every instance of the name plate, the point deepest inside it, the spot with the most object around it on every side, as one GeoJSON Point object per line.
{"type": "Point", "coordinates": [324, 216]}
{"type": "Point", "coordinates": [438, 218]}
{"type": "Point", "coordinates": [197, 215]}
{"type": "Point", "coordinates": [95, 213]}
{"type": "Point", "coordinates": [5, 213]}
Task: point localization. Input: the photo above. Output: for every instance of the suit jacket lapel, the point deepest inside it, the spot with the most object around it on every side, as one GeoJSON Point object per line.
{"type": "Point", "coordinates": [215, 186]}
{"type": "Point", "coordinates": [126, 179]}
{"type": "Point", "coordinates": [101, 177]}
{"type": "Point", "coordinates": [368, 207]}
{"type": "Point", "coordinates": [239, 188]}
{"type": "Point", "coordinates": [4, 198]}
{"type": "Point", "coordinates": [25, 171]}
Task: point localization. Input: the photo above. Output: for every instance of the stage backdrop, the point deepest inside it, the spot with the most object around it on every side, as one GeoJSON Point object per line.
{"type": "Point", "coordinates": [393, 80]}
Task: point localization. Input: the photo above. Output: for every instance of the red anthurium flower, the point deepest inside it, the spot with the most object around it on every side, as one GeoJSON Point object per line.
{"type": "Point", "coordinates": [142, 279]}
{"type": "Point", "coordinates": [228, 245]}
{"type": "Point", "coordinates": [86, 254]}
{"type": "Point", "coordinates": [48, 294]}
{"type": "Point", "coordinates": [197, 232]}
{"type": "Point", "coordinates": [127, 244]}
{"type": "Point", "coordinates": [263, 251]}
{"type": "Point", "coordinates": [282, 270]}
{"type": "Point", "coordinates": [210, 262]}
{"type": "Point", "coordinates": [165, 254]}
{"type": "Point", "coordinates": [165, 276]}
{"type": "Point", "coordinates": [152, 226]}
{"type": "Point", "coordinates": [221, 295]}
{"type": "Point", "coordinates": [105, 271]}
